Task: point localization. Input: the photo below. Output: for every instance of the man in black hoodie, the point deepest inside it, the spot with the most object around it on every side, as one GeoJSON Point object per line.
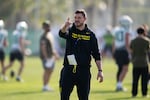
{"type": "Point", "coordinates": [81, 43]}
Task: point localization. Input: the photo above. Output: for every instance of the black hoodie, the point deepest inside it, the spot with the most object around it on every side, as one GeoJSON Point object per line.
{"type": "Point", "coordinates": [82, 44]}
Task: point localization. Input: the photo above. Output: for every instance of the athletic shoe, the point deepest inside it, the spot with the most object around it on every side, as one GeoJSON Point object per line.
{"type": "Point", "coordinates": [5, 78]}
{"type": "Point", "coordinates": [146, 96]}
{"type": "Point", "coordinates": [47, 89]}
{"type": "Point", "coordinates": [133, 96]}
{"type": "Point", "coordinates": [19, 79]}
{"type": "Point", "coordinates": [121, 89]}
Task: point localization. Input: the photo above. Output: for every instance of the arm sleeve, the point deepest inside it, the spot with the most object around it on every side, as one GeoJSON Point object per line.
{"type": "Point", "coordinates": [94, 46]}
{"type": "Point", "coordinates": [63, 35]}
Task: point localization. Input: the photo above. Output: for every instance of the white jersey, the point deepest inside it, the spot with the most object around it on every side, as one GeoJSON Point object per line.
{"type": "Point", "coordinates": [16, 40]}
{"type": "Point", "coordinates": [120, 35]}
{"type": "Point", "coordinates": [3, 36]}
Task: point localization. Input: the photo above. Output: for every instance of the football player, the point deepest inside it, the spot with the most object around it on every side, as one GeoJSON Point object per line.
{"type": "Point", "coordinates": [121, 49]}
{"type": "Point", "coordinates": [3, 43]}
{"type": "Point", "coordinates": [18, 48]}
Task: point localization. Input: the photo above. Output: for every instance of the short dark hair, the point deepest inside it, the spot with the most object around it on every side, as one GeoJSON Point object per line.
{"type": "Point", "coordinates": [141, 30]}
{"type": "Point", "coordinates": [46, 23]}
{"type": "Point", "coordinates": [81, 11]}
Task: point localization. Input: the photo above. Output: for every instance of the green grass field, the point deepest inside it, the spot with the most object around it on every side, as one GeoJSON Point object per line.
{"type": "Point", "coordinates": [31, 89]}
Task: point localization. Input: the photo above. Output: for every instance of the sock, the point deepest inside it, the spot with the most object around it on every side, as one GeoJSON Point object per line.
{"type": "Point", "coordinates": [119, 84]}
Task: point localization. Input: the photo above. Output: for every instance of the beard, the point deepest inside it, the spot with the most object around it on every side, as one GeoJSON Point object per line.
{"type": "Point", "coordinates": [78, 24]}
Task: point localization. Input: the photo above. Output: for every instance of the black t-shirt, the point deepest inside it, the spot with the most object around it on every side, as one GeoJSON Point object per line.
{"type": "Point", "coordinates": [140, 47]}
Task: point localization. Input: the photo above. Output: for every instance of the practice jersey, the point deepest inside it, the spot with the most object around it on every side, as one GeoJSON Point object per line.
{"type": "Point", "coordinates": [3, 36]}
{"type": "Point", "coordinates": [119, 37]}
{"type": "Point", "coordinates": [16, 40]}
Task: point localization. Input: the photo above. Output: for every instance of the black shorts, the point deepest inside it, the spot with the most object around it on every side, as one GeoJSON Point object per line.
{"type": "Point", "coordinates": [16, 54]}
{"type": "Point", "coordinates": [121, 57]}
{"type": "Point", "coordinates": [2, 55]}
{"type": "Point", "coordinates": [107, 48]}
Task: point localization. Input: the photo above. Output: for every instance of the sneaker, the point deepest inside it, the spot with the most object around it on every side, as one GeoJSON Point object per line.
{"type": "Point", "coordinates": [5, 78]}
{"type": "Point", "coordinates": [133, 96]}
{"type": "Point", "coordinates": [19, 79]}
{"type": "Point", "coordinates": [146, 96]}
{"type": "Point", "coordinates": [118, 89]}
{"type": "Point", "coordinates": [48, 89]}
{"type": "Point", "coordinates": [2, 77]}
{"type": "Point", "coordinates": [121, 89]}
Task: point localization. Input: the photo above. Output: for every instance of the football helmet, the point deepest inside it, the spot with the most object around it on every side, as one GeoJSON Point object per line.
{"type": "Point", "coordinates": [1, 24]}
{"type": "Point", "coordinates": [22, 26]}
{"type": "Point", "coordinates": [125, 21]}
